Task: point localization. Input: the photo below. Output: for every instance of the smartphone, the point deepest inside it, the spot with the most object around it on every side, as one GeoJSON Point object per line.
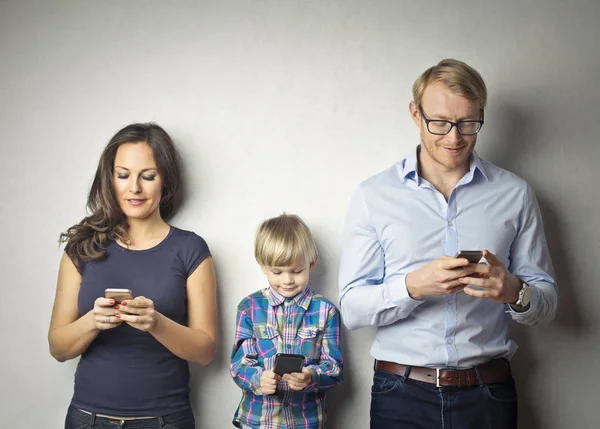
{"type": "Point", "coordinates": [118, 294]}
{"type": "Point", "coordinates": [286, 363]}
{"type": "Point", "coordinates": [473, 256]}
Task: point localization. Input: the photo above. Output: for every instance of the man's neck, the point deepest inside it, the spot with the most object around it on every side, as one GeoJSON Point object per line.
{"type": "Point", "coordinates": [441, 178]}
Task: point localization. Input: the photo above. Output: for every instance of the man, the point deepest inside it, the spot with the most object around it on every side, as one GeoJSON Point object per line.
{"type": "Point", "coordinates": [442, 347]}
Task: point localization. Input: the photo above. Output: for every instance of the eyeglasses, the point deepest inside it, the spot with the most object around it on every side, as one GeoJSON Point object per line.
{"type": "Point", "coordinates": [441, 128]}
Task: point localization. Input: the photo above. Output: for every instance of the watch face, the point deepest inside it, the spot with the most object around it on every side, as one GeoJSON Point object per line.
{"type": "Point", "coordinates": [526, 296]}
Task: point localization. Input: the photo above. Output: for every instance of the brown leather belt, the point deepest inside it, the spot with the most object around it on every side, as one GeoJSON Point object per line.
{"type": "Point", "coordinates": [494, 371]}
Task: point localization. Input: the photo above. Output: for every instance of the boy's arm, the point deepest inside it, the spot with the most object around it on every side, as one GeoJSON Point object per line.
{"type": "Point", "coordinates": [328, 372]}
{"type": "Point", "coordinates": [244, 367]}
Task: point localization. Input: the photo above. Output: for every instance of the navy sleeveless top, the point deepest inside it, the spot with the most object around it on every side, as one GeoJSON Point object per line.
{"type": "Point", "coordinates": [124, 371]}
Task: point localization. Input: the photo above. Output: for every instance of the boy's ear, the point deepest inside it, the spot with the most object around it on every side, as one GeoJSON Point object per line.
{"type": "Point", "coordinates": [264, 269]}
{"type": "Point", "coordinates": [312, 265]}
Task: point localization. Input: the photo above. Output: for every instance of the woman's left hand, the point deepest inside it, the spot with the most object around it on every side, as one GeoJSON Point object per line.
{"type": "Point", "coordinates": [138, 312]}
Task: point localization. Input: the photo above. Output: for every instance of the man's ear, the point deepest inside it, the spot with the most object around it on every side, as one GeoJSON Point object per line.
{"type": "Point", "coordinates": [312, 265]}
{"type": "Point", "coordinates": [414, 113]}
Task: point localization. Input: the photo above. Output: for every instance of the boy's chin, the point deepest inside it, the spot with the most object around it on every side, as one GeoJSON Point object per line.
{"type": "Point", "coordinates": [289, 293]}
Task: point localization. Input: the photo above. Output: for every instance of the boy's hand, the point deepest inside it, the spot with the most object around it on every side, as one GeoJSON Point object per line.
{"type": "Point", "coordinates": [268, 382]}
{"type": "Point", "coordinates": [298, 380]}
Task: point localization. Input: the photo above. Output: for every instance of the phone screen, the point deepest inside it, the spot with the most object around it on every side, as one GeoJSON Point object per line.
{"type": "Point", "coordinates": [286, 363]}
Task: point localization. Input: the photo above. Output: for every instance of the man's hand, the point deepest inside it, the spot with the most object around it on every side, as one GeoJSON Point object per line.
{"type": "Point", "coordinates": [497, 282]}
{"type": "Point", "coordinates": [298, 380]}
{"type": "Point", "coordinates": [268, 382]}
{"type": "Point", "coordinates": [439, 277]}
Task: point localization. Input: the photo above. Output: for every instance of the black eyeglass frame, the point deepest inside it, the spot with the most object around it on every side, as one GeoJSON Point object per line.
{"type": "Point", "coordinates": [452, 124]}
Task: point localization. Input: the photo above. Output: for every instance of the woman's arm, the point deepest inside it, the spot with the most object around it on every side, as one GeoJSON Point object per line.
{"type": "Point", "coordinates": [70, 335]}
{"type": "Point", "coordinates": [197, 341]}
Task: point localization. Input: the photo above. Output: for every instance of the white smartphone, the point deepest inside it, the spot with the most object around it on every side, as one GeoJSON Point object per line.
{"type": "Point", "coordinates": [118, 294]}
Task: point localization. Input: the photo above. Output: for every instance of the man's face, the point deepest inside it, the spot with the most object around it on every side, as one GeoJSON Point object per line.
{"type": "Point", "coordinates": [451, 151]}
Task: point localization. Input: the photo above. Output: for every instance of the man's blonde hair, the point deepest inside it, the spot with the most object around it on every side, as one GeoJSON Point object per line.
{"type": "Point", "coordinates": [457, 76]}
{"type": "Point", "coordinates": [284, 240]}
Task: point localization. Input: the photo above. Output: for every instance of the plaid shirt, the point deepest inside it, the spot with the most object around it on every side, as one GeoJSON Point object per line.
{"type": "Point", "coordinates": [267, 324]}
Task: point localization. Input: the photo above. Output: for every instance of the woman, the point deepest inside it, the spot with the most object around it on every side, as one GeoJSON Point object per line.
{"type": "Point", "coordinates": [133, 368]}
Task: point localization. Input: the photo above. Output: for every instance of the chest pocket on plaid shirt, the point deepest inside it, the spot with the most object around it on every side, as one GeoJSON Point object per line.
{"type": "Point", "coordinates": [309, 342]}
{"type": "Point", "coordinates": [267, 338]}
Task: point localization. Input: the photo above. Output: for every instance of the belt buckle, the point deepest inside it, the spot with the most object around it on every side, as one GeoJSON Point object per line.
{"type": "Point", "coordinates": [437, 377]}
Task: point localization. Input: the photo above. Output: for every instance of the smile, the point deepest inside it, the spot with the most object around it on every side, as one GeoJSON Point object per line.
{"type": "Point", "coordinates": [136, 202]}
{"type": "Point", "coordinates": [453, 149]}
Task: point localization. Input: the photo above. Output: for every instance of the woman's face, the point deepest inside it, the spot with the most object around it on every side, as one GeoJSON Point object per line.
{"type": "Point", "coordinates": [136, 181]}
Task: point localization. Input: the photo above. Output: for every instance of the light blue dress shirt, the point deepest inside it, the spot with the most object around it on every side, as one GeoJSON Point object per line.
{"type": "Point", "coordinates": [397, 222]}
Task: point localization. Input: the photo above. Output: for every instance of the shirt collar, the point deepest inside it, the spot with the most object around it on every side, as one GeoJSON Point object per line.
{"type": "Point", "coordinates": [408, 167]}
{"type": "Point", "coordinates": [302, 299]}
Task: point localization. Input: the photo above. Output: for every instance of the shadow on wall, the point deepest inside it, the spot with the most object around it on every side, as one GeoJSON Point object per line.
{"type": "Point", "coordinates": [513, 147]}
{"type": "Point", "coordinates": [319, 280]}
{"type": "Point", "coordinates": [203, 376]}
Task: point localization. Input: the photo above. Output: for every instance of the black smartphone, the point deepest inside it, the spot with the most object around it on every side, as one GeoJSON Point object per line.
{"type": "Point", "coordinates": [286, 363]}
{"type": "Point", "coordinates": [473, 256]}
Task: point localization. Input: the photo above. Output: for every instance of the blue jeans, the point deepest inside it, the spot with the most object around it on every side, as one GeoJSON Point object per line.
{"type": "Point", "coordinates": [77, 419]}
{"type": "Point", "coordinates": [399, 403]}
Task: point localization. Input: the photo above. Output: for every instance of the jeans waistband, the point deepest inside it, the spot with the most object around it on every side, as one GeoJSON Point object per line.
{"type": "Point", "coordinates": [98, 419]}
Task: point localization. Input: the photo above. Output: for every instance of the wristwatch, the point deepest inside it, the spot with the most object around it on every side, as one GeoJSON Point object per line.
{"type": "Point", "coordinates": [524, 296]}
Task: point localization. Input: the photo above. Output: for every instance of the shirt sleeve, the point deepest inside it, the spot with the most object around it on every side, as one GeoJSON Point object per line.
{"type": "Point", "coordinates": [328, 372]}
{"type": "Point", "coordinates": [365, 298]}
{"type": "Point", "coordinates": [530, 261]}
{"type": "Point", "coordinates": [196, 250]}
{"type": "Point", "coordinates": [244, 367]}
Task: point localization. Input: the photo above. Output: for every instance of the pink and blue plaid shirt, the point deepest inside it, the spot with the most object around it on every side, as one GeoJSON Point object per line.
{"type": "Point", "coordinates": [267, 324]}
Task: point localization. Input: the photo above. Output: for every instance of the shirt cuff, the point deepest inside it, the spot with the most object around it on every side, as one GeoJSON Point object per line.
{"type": "Point", "coordinates": [398, 292]}
{"type": "Point", "coordinates": [255, 382]}
{"type": "Point", "coordinates": [314, 377]}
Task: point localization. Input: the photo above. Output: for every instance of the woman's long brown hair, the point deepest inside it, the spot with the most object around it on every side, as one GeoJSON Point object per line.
{"type": "Point", "coordinates": [87, 241]}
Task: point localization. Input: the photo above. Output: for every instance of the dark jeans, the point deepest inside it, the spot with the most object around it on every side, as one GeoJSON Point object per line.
{"type": "Point", "coordinates": [399, 403]}
{"type": "Point", "coordinates": [77, 419]}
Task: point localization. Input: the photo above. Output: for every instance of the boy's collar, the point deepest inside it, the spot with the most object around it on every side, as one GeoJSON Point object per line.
{"type": "Point", "coordinates": [302, 299]}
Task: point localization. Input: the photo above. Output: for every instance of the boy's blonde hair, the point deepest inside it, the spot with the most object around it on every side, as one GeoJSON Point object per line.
{"type": "Point", "coordinates": [284, 240]}
{"type": "Point", "coordinates": [457, 76]}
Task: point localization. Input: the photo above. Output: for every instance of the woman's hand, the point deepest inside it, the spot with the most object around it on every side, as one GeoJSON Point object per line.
{"type": "Point", "coordinates": [138, 312]}
{"type": "Point", "coordinates": [104, 314]}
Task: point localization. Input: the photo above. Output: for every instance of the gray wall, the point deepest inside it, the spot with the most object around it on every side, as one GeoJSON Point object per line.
{"type": "Point", "coordinates": [288, 105]}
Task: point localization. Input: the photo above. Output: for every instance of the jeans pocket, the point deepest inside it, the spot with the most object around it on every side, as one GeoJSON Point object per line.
{"type": "Point", "coordinates": [501, 392]}
{"type": "Point", "coordinates": [74, 423]}
{"type": "Point", "coordinates": [187, 422]}
{"type": "Point", "coordinates": [383, 384]}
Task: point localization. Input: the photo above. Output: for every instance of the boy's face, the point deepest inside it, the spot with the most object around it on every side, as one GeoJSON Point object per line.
{"type": "Point", "coordinates": [290, 280]}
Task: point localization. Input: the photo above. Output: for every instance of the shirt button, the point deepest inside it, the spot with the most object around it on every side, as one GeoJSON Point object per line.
{"type": "Point", "coordinates": [449, 223]}
{"type": "Point", "coordinates": [449, 301]}
{"type": "Point", "coordinates": [449, 341]}
{"type": "Point", "coordinates": [288, 346]}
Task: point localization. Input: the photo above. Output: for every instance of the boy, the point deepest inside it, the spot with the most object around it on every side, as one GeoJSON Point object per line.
{"type": "Point", "coordinates": [286, 317]}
